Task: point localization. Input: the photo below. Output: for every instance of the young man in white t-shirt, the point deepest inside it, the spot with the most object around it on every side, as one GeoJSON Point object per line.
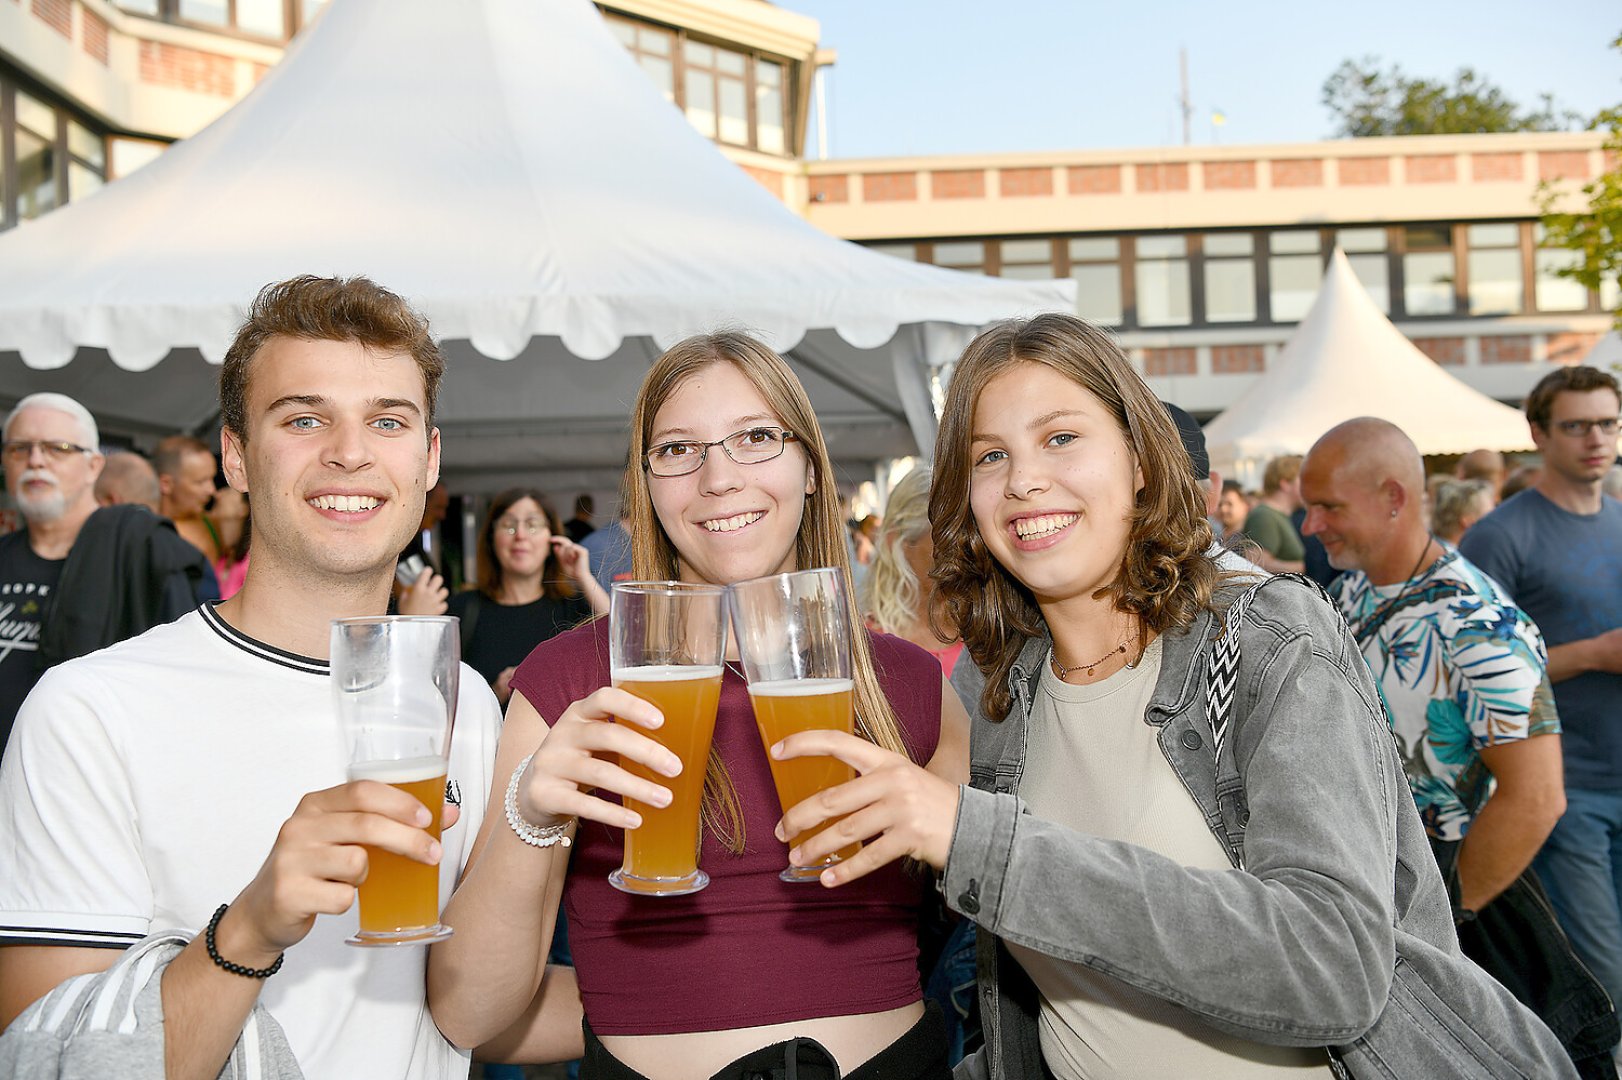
{"type": "Point", "coordinates": [200, 763]}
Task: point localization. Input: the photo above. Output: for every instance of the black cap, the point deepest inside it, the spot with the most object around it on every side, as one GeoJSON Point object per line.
{"type": "Point", "coordinates": [1193, 440]}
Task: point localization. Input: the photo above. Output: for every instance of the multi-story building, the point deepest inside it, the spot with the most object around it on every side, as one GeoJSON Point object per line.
{"type": "Point", "coordinates": [1202, 259]}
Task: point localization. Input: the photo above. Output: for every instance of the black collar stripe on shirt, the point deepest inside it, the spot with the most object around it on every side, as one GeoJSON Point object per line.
{"type": "Point", "coordinates": [236, 637]}
{"type": "Point", "coordinates": [61, 935]}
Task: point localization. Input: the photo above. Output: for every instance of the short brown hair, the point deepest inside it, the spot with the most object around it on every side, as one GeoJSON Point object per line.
{"type": "Point", "coordinates": [171, 451]}
{"type": "Point", "coordinates": [1279, 471]}
{"type": "Point", "coordinates": [1164, 578]}
{"type": "Point", "coordinates": [1580, 379]}
{"type": "Point", "coordinates": [326, 309]}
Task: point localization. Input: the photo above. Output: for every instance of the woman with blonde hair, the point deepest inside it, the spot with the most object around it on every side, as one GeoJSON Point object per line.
{"type": "Point", "coordinates": [729, 479]}
{"type": "Point", "coordinates": [898, 595]}
{"type": "Point", "coordinates": [1188, 840]}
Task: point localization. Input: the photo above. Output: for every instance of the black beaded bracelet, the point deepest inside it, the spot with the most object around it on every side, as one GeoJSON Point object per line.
{"type": "Point", "coordinates": [235, 969]}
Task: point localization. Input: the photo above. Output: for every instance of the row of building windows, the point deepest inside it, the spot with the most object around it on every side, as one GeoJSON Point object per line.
{"type": "Point", "coordinates": [274, 19]}
{"type": "Point", "coordinates": [47, 155]}
{"type": "Point", "coordinates": [731, 95]}
{"type": "Point", "coordinates": [1272, 275]}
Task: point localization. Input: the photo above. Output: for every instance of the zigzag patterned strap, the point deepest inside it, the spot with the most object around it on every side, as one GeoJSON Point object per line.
{"type": "Point", "coordinates": [1222, 667]}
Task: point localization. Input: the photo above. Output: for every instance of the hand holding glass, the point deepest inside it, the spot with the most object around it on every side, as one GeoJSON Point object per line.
{"type": "Point", "coordinates": [794, 635]}
{"type": "Point", "coordinates": [395, 681]}
{"type": "Point", "coordinates": [666, 643]}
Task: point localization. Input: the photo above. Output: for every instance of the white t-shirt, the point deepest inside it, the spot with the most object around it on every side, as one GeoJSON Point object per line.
{"type": "Point", "coordinates": [1093, 764]}
{"type": "Point", "coordinates": [145, 784]}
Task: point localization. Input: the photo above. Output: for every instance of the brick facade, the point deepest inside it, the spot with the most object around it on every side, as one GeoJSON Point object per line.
{"type": "Point", "coordinates": [958, 184]}
{"type": "Point", "coordinates": [830, 189]}
{"type": "Point", "coordinates": [1446, 351]}
{"type": "Point", "coordinates": [1013, 183]}
{"type": "Point", "coordinates": [1165, 177]}
{"type": "Point", "coordinates": [1094, 179]}
{"type": "Point", "coordinates": [1363, 172]}
{"type": "Point", "coordinates": [1489, 167]}
{"type": "Point", "coordinates": [188, 69]}
{"type": "Point", "coordinates": [1506, 349]}
{"type": "Point", "coordinates": [1303, 173]}
{"type": "Point", "coordinates": [766, 178]}
{"type": "Point", "coordinates": [1430, 168]}
{"type": "Point", "coordinates": [94, 35]}
{"type": "Point", "coordinates": [890, 187]}
{"type": "Point", "coordinates": [1229, 175]}
{"type": "Point", "coordinates": [1237, 359]}
{"type": "Point", "coordinates": [1569, 347]}
{"type": "Point", "coordinates": [1562, 164]}
{"type": "Point", "coordinates": [1161, 362]}
{"type": "Point", "coordinates": [57, 14]}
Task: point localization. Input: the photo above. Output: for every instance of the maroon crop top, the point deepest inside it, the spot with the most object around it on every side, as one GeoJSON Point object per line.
{"type": "Point", "coordinates": [749, 949]}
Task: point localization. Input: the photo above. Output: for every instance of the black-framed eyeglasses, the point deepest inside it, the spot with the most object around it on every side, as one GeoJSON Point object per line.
{"type": "Point", "coordinates": [1579, 429]}
{"type": "Point", "coordinates": [20, 450]}
{"type": "Point", "coordinates": [751, 446]}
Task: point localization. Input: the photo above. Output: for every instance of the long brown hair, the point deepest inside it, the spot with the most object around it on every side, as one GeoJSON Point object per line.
{"type": "Point", "coordinates": [555, 585]}
{"type": "Point", "coordinates": [821, 539]}
{"type": "Point", "coordinates": [1165, 577]}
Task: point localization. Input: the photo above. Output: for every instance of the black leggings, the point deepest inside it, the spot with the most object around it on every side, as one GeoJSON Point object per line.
{"type": "Point", "coordinates": [919, 1054]}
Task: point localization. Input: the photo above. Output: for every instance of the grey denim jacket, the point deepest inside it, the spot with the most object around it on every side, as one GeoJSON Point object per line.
{"type": "Point", "coordinates": [1338, 932]}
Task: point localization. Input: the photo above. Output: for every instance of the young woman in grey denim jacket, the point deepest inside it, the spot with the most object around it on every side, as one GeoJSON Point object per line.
{"type": "Point", "coordinates": [1068, 526]}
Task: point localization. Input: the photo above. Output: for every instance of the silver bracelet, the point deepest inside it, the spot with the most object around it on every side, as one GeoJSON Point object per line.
{"type": "Point", "coordinates": [534, 835]}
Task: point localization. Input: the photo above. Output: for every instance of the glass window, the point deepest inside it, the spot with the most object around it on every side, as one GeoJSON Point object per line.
{"type": "Point", "coordinates": [1496, 236]}
{"type": "Point", "coordinates": [1375, 274]}
{"type": "Point", "coordinates": [1553, 292]}
{"type": "Point", "coordinates": [898, 251]}
{"type": "Point", "coordinates": [1162, 281]}
{"type": "Point", "coordinates": [83, 181]}
{"type": "Point", "coordinates": [36, 116]}
{"type": "Point", "coordinates": [140, 7]}
{"type": "Point", "coordinates": [1224, 244]}
{"type": "Point", "coordinates": [1095, 267]}
{"type": "Point", "coordinates": [1028, 260]}
{"type": "Point", "coordinates": [36, 175]}
{"type": "Point", "coordinates": [213, 12]}
{"type": "Point", "coordinates": [696, 52]}
{"type": "Point", "coordinates": [961, 254]}
{"type": "Point", "coordinates": [700, 91]}
{"type": "Point", "coordinates": [267, 17]}
{"type": "Point", "coordinates": [1351, 240]}
{"type": "Point", "coordinates": [770, 135]}
{"type": "Point", "coordinates": [734, 112]}
{"type": "Point", "coordinates": [131, 154]}
{"type": "Point", "coordinates": [1494, 265]}
{"type": "Point", "coordinates": [1429, 271]}
{"type": "Point", "coordinates": [1294, 272]}
{"type": "Point", "coordinates": [86, 145]}
{"type": "Point", "coordinates": [1610, 294]}
{"type": "Point", "coordinates": [1230, 290]}
{"type": "Point", "coordinates": [1091, 248]}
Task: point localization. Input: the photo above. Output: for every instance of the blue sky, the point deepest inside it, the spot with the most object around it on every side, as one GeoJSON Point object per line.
{"type": "Point", "coordinates": [964, 76]}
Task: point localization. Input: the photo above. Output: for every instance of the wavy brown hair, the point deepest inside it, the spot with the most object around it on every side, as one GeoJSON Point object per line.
{"type": "Point", "coordinates": [555, 585]}
{"type": "Point", "coordinates": [821, 540]}
{"type": "Point", "coordinates": [1165, 576]}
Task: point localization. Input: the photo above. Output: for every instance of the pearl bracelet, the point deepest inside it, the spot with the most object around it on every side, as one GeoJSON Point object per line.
{"type": "Point", "coordinates": [533, 835]}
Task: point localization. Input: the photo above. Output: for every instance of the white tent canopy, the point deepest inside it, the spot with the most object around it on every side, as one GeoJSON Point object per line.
{"type": "Point", "coordinates": [505, 165]}
{"type": "Point", "coordinates": [1346, 359]}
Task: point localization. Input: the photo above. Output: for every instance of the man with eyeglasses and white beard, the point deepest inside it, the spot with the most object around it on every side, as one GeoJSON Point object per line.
{"type": "Point", "coordinates": [49, 447]}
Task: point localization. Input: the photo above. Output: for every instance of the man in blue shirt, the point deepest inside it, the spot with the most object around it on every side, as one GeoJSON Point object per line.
{"type": "Point", "coordinates": [1557, 549]}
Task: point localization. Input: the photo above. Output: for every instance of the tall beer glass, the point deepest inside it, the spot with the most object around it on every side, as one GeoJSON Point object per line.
{"type": "Point", "coordinates": [794, 635]}
{"type": "Point", "coordinates": [666, 643]}
{"type": "Point", "coordinates": [394, 678]}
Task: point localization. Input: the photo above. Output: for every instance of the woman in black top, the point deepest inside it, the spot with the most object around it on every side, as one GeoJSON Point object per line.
{"type": "Point", "coordinates": [534, 583]}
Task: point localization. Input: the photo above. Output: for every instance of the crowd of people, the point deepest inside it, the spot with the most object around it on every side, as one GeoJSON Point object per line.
{"type": "Point", "coordinates": [1135, 796]}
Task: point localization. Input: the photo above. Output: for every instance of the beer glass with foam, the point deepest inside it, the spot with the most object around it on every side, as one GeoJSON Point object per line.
{"type": "Point", "coordinates": [666, 644]}
{"type": "Point", "coordinates": [793, 634]}
{"type": "Point", "coordinates": [394, 679]}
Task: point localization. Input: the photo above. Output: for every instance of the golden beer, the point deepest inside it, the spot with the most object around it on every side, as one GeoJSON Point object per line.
{"type": "Point", "coordinates": [400, 894]}
{"type": "Point", "coordinates": [661, 856]}
{"type": "Point", "coordinates": [792, 705]}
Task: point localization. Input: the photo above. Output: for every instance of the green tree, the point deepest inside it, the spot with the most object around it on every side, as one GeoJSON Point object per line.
{"type": "Point", "coordinates": [1367, 100]}
{"type": "Point", "coordinates": [1595, 232]}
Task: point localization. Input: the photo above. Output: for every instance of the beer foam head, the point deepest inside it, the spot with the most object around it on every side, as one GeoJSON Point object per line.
{"type": "Point", "coordinates": [800, 687]}
{"type": "Point", "coordinates": [404, 771]}
{"type": "Point", "coordinates": [666, 673]}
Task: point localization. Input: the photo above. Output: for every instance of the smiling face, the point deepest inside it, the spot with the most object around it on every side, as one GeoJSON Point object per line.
{"type": "Point", "coordinates": [337, 459]}
{"type": "Point", "coordinates": [728, 522]}
{"type": "Point", "coordinates": [1053, 483]}
{"type": "Point", "coordinates": [522, 539]}
{"type": "Point", "coordinates": [46, 485]}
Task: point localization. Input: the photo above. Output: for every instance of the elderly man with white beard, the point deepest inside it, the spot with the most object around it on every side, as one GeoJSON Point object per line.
{"type": "Point", "coordinates": [50, 449]}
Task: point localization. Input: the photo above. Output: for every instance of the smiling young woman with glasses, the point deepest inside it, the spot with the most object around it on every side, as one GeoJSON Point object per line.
{"type": "Point", "coordinates": [730, 479]}
{"type": "Point", "coordinates": [533, 584]}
